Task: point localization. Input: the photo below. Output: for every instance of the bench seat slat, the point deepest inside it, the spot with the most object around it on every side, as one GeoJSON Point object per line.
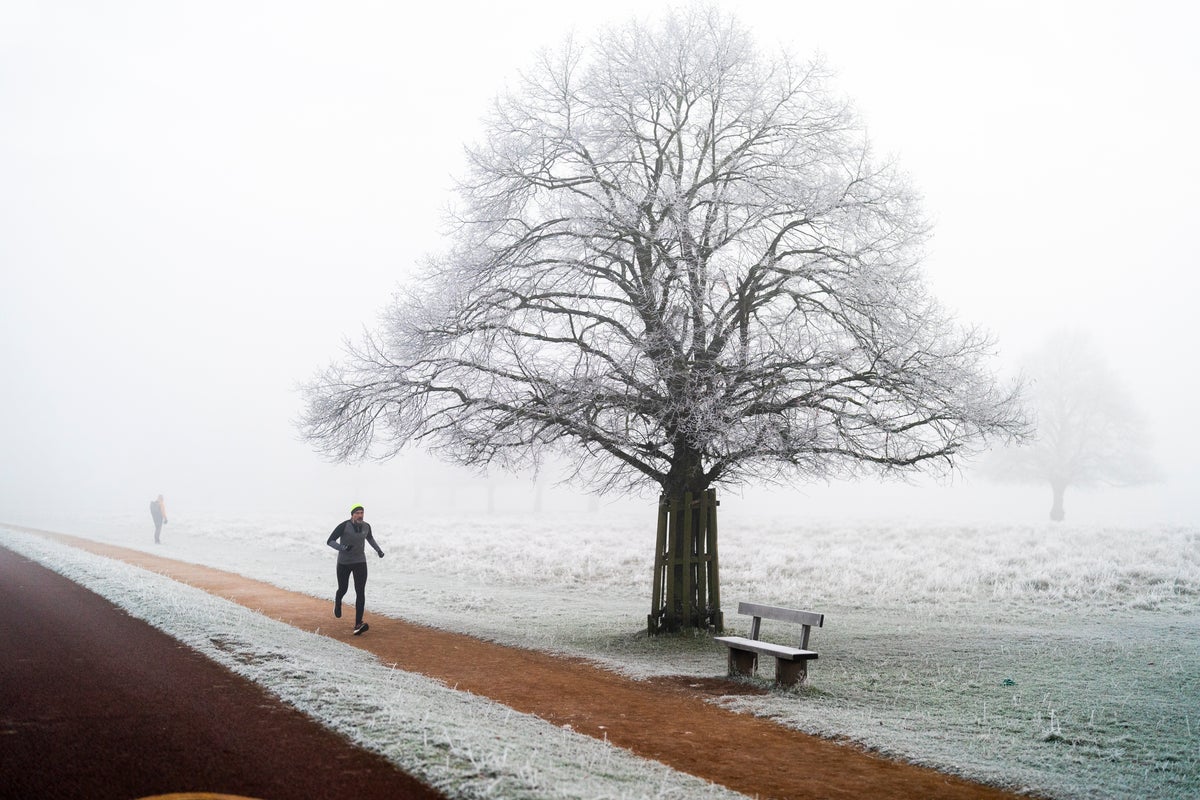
{"type": "Point", "coordinates": [777, 650]}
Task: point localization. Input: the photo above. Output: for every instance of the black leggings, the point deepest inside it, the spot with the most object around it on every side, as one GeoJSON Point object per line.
{"type": "Point", "coordinates": [360, 587]}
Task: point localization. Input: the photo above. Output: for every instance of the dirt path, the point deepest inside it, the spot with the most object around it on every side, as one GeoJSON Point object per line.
{"type": "Point", "coordinates": [666, 720]}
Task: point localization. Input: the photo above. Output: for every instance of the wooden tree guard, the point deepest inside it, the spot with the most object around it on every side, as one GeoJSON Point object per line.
{"type": "Point", "coordinates": [687, 589]}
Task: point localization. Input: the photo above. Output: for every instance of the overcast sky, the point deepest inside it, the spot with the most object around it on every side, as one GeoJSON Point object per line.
{"type": "Point", "coordinates": [200, 200]}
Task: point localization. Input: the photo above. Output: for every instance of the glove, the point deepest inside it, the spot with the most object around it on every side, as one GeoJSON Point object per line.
{"type": "Point", "coordinates": [345, 547]}
{"type": "Point", "coordinates": [381, 555]}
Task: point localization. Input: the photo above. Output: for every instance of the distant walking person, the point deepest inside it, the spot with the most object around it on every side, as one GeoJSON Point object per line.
{"type": "Point", "coordinates": [158, 513]}
{"type": "Point", "coordinates": [349, 538]}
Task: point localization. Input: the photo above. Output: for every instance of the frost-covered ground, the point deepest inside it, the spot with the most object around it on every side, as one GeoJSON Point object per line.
{"type": "Point", "coordinates": [1060, 659]}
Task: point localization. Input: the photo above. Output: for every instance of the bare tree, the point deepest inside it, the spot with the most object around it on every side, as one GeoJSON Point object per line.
{"type": "Point", "coordinates": [676, 264]}
{"type": "Point", "coordinates": [1089, 431]}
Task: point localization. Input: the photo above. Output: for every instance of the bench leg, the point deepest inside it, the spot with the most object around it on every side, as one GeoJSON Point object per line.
{"type": "Point", "coordinates": [742, 662]}
{"type": "Point", "coordinates": [790, 673]}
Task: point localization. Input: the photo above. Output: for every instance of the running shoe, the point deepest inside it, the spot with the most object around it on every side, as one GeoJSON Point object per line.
{"type": "Point", "coordinates": [361, 629]}
{"type": "Point", "coordinates": [337, 607]}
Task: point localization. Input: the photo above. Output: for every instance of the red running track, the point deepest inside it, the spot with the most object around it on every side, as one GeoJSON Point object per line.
{"type": "Point", "coordinates": [97, 705]}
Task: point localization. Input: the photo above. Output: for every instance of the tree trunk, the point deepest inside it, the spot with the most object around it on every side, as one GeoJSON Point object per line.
{"type": "Point", "coordinates": [1057, 512]}
{"type": "Point", "coordinates": [686, 588]}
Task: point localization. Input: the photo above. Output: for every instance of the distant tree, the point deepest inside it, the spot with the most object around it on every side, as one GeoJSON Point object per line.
{"type": "Point", "coordinates": [675, 264]}
{"type": "Point", "coordinates": [1089, 432]}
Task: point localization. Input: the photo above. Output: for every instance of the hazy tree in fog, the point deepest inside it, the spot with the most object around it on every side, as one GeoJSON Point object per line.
{"type": "Point", "coordinates": [677, 264]}
{"type": "Point", "coordinates": [1089, 432]}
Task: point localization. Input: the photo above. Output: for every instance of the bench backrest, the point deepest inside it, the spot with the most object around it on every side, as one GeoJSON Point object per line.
{"type": "Point", "coordinates": [806, 619]}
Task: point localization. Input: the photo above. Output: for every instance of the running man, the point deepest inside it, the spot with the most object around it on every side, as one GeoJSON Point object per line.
{"type": "Point", "coordinates": [348, 539]}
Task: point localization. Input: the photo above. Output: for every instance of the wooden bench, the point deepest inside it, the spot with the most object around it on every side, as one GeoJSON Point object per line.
{"type": "Point", "coordinates": [791, 663]}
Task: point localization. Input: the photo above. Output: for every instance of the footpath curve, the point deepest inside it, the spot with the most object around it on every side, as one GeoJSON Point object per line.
{"type": "Point", "coordinates": [669, 721]}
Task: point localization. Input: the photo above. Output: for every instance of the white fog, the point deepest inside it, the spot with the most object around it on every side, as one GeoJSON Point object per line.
{"type": "Point", "coordinates": [199, 202]}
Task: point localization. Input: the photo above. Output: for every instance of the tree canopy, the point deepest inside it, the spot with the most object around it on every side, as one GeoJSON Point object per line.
{"type": "Point", "coordinates": [675, 262]}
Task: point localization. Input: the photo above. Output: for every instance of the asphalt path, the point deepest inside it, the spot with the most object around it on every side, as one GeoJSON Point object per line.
{"type": "Point", "coordinates": [95, 704]}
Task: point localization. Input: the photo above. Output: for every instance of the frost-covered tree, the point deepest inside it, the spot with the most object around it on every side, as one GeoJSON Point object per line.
{"type": "Point", "coordinates": [1089, 431]}
{"type": "Point", "coordinates": [675, 263]}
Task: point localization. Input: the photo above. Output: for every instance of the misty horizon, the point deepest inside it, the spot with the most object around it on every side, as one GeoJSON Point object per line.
{"type": "Point", "coordinates": [200, 206]}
